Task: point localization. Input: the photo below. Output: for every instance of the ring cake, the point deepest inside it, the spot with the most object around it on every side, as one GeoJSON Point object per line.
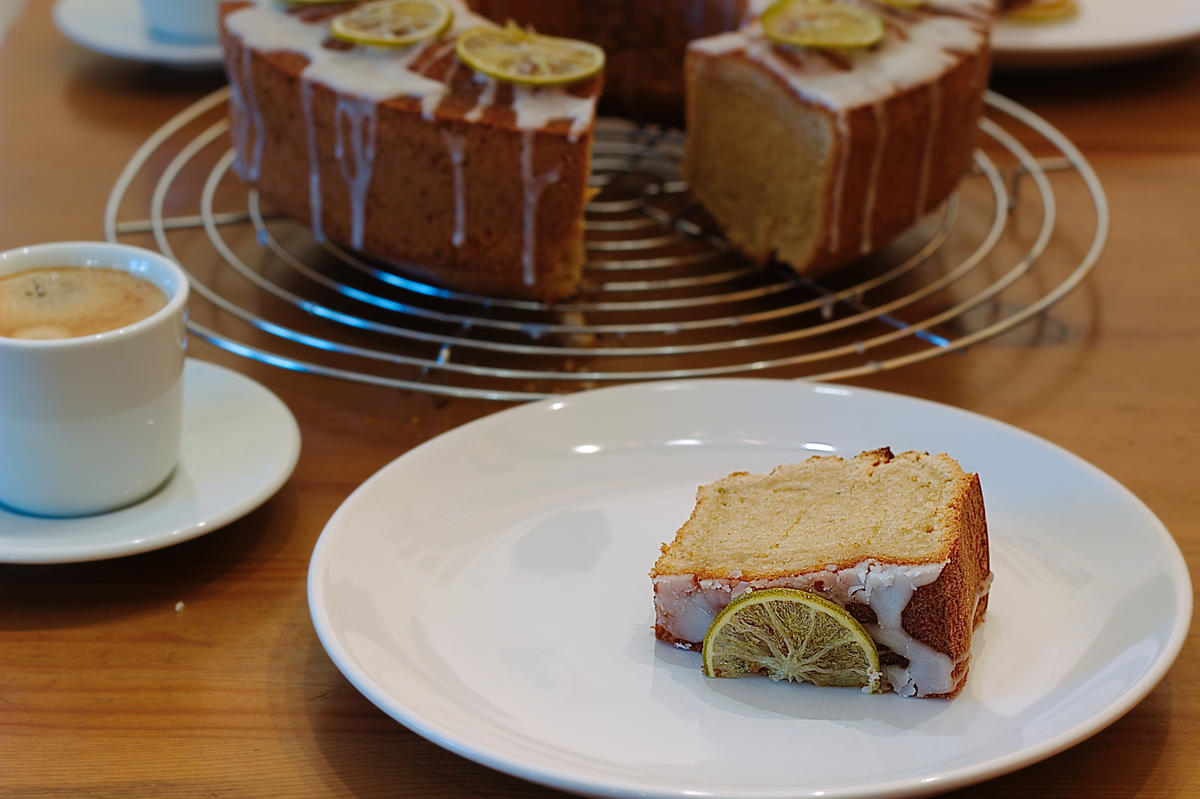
{"type": "Point", "coordinates": [808, 156]}
{"type": "Point", "coordinates": [899, 541]}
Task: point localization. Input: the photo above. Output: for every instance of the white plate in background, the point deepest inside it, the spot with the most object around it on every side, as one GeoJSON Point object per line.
{"type": "Point", "coordinates": [1103, 32]}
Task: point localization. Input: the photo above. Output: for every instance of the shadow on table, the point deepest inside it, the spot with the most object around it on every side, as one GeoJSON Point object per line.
{"type": "Point", "coordinates": [71, 595]}
{"type": "Point", "coordinates": [1085, 84]}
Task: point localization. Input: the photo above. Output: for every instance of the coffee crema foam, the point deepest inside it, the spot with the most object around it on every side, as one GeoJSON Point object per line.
{"type": "Point", "coordinates": [72, 301]}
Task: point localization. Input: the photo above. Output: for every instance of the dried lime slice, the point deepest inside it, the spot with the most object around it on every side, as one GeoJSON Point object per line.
{"type": "Point", "coordinates": [805, 23]}
{"type": "Point", "coordinates": [1043, 11]}
{"type": "Point", "coordinates": [392, 23]}
{"type": "Point", "coordinates": [517, 55]}
{"type": "Point", "coordinates": [791, 635]}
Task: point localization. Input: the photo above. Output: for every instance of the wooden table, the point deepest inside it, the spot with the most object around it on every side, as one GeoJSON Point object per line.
{"type": "Point", "coordinates": [108, 688]}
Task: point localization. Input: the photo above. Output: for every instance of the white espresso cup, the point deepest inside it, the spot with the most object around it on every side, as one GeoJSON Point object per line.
{"type": "Point", "coordinates": [182, 21]}
{"type": "Point", "coordinates": [92, 423]}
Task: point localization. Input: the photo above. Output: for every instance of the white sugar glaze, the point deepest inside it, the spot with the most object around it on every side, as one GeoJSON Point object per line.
{"type": "Point", "coordinates": [486, 98]}
{"type": "Point", "coordinates": [686, 606]}
{"type": "Point", "coordinates": [897, 63]}
{"type": "Point", "coordinates": [839, 182]}
{"type": "Point", "coordinates": [935, 116]}
{"type": "Point", "coordinates": [881, 132]}
{"type": "Point", "coordinates": [355, 118]}
{"type": "Point", "coordinates": [363, 77]}
{"type": "Point", "coordinates": [534, 186]}
{"type": "Point", "coordinates": [247, 129]}
{"type": "Point", "coordinates": [456, 145]}
{"type": "Point", "coordinates": [314, 174]}
{"type": "Point", "coordinates": [932, 38]}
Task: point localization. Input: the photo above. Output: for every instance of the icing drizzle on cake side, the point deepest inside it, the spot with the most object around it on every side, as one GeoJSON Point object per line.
{"type": "Point", "coordinates": [363, 77]}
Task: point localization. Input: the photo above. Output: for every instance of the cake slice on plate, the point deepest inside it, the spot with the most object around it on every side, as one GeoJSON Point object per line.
{"type": "Point", "coordinates": [899, 541]}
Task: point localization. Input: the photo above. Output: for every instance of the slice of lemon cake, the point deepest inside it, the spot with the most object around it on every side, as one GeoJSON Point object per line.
{"type": "Point", "coordinates": [411, 153]}
{"type": "Point", "coordinates": [899, 541]}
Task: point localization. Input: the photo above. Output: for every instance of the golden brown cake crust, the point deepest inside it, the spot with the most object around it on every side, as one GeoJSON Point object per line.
{"type": "Point", "coordinates": [410, 208]}
{"type": "Point", "coordinates": [911, 183]}
{"type": "Point", "coordinates": [942, 614]}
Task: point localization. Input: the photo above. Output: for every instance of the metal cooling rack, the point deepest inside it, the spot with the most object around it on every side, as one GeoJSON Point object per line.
{"type": "Point", "coordinates": [665, 296]}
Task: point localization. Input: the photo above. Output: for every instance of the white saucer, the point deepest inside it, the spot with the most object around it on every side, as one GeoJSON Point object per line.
{"type": "Point", "coordinates": [115, 28]}
{"type": "Point", "coordinates": [240, 443]}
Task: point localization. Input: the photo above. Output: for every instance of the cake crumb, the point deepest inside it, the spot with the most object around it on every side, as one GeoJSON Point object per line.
{"type": "Point", "coordinates": [178, 606]}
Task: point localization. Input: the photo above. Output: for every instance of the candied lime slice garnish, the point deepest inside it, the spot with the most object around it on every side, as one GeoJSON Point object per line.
{"type": "Point", "coordinates": [804, 23]}
{"type": "Point", "coordinates": [517, 55]}
{"type": "Point", "coordinates": [392, 23]}
{"type": "Point", "coordinates": [791, 635]}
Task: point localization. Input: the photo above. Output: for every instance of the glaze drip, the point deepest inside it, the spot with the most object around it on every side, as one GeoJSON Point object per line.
{"type": "Point", "coordinates": [919, 47]}
{"type": "Point", "coordinates": [881, 128]}
{"type": "Point", "coordinates": [314, 164]}
{"type": "Point", "coordinates": [686, 606]}
{"type": "Point", "coordinates": [455, 145]}
{"type": "Point", "coordinates": [935, 116]}
{"type": "Point", "coordinates": [247, 123]}
{"type": "Point", "coordinates": [486, 99]}
{"type": "Point", "coordinates": [355, 118]}
{"type": "Point", "coordinates": [842, 123]}
{"type": "Point", "coordinates": [534, 186]}
{"type": "Point", "coordinates": [360, 79]}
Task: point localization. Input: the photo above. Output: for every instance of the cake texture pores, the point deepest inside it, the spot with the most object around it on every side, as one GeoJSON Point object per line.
{"type": "Point", "coordinates": [899, 541]}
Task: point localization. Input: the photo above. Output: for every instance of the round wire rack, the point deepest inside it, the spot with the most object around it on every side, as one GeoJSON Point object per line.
{"type": "Point", "coordinates": [664, 297]}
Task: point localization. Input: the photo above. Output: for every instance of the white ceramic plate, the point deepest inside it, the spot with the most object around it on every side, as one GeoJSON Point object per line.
{"type": "Point", "coordinates": [240, 443]}
{"type": "Point", "coordinates": [116, 28]}
{"type": "Point", "coordinates": [489, 590]}
{"type": "Point", "coordinates": [1104, 31]}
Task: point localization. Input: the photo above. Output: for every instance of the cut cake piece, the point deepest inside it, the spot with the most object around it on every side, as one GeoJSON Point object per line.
{"type": "Point", "coordinates": [808, 156]}
{"type": "Point", "coordinates": [815, 157]}
{"type": "Point", "coordinates": [410, 155]}
{"type": "Point", "coordinates": [900, 541]}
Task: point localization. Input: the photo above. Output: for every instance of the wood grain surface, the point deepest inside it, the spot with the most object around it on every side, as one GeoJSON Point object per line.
{"type": "Point", "coordinates": [108, 687]}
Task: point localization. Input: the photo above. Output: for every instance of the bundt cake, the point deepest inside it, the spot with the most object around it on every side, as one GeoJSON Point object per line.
{"type": "Point", "coordinates": [899, 541]}
{"type": "Point", "coordinates": [811, 156]}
